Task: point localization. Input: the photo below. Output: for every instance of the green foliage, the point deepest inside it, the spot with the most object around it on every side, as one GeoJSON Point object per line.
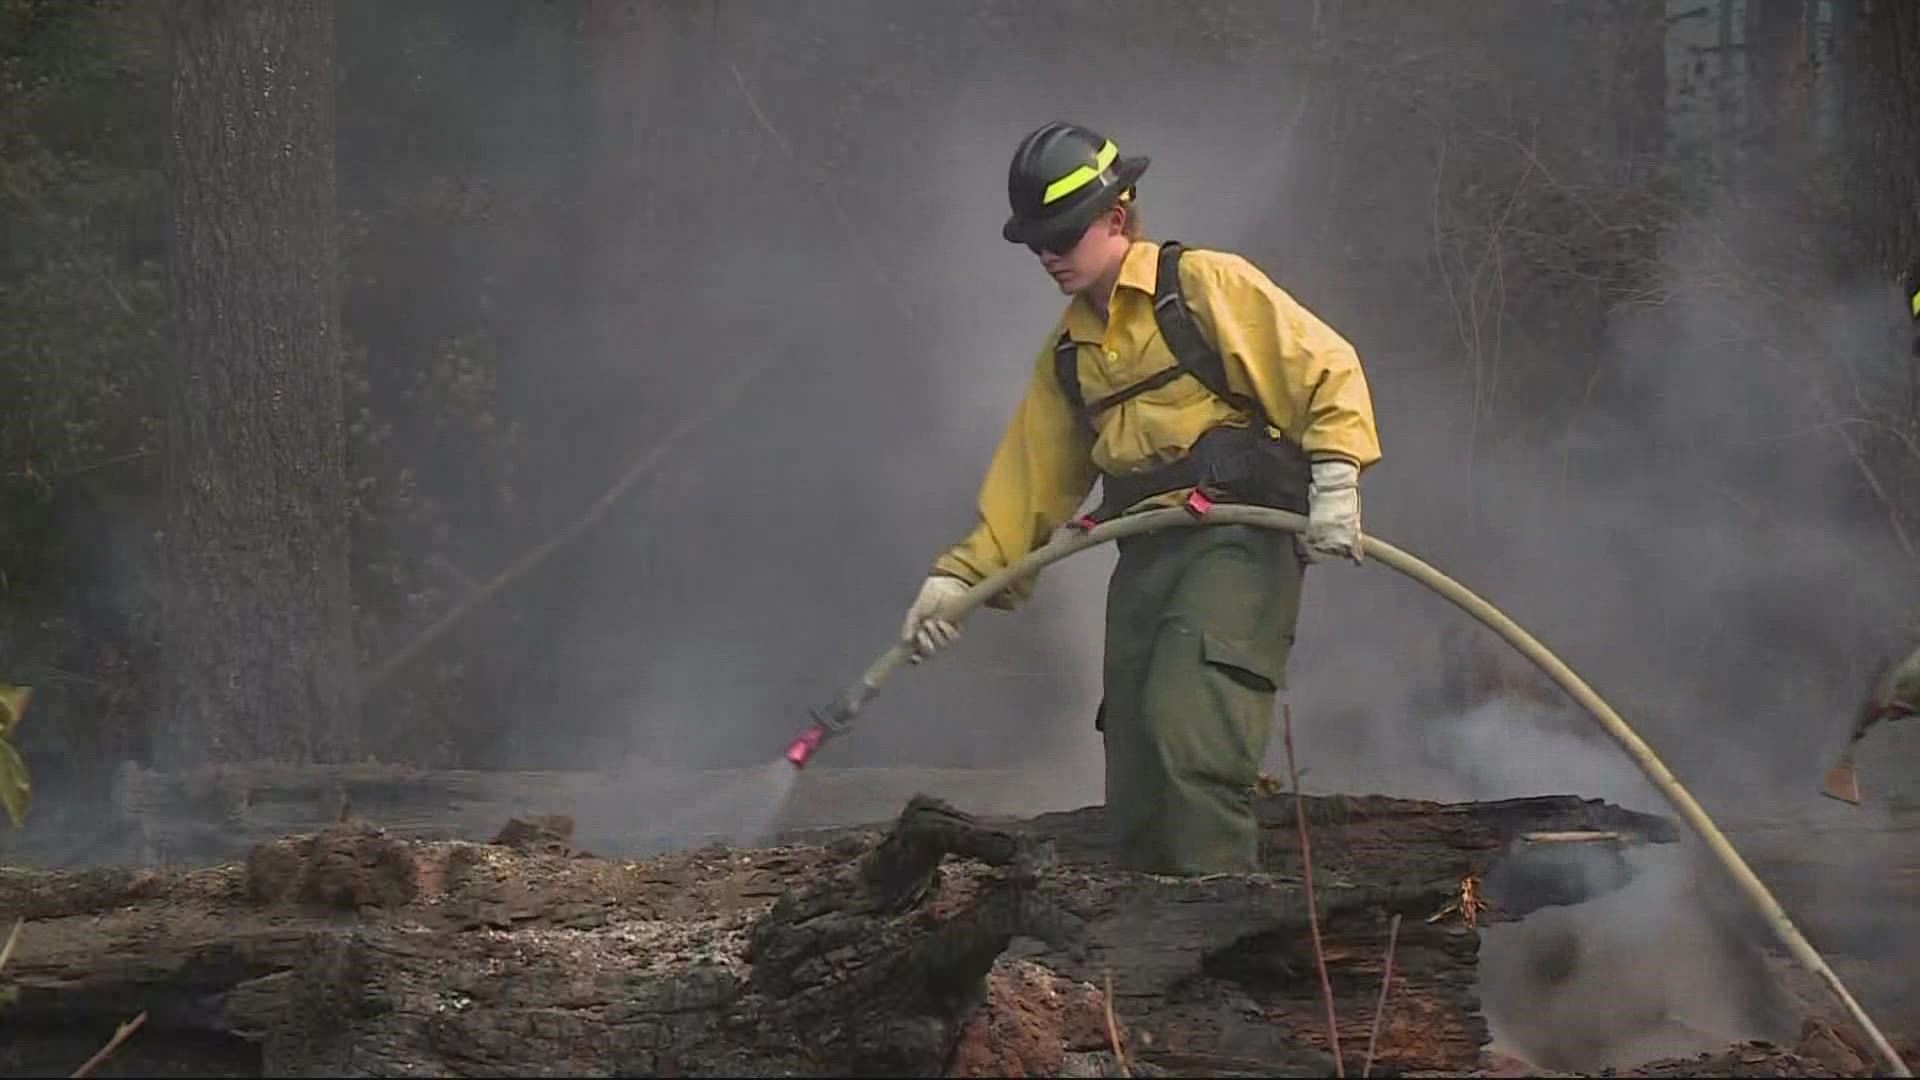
{"type": "Point", "coordinates": [82, 340]}
{"type": "Point", "coordinates": [16, 789]}
{"type": "Point", "coordinates": [80, 284]}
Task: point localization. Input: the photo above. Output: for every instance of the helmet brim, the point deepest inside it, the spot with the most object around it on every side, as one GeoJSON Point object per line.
{"type": "Point", "coordinates": [1021, 230]}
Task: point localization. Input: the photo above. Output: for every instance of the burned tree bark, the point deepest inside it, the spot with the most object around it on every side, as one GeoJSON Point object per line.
{"type": "Point", "coordinates": [945, 945]}
{"type": "Point", "coordinates": [1878, 46]}
{"type": "Point", "coordinates": [256, 637]}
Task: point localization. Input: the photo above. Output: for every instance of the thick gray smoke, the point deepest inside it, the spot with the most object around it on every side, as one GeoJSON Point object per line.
{"type": "Point", "coordinates": [775, 558]}
{"type": "Point", "coordinates": [1699, 548]}
{"type": "Point", "coordinates": [1603, 984]}
{"type": "Point", "coordinates": [1694, 543]}
{"type": "Point", "coordinates": [812, 194]}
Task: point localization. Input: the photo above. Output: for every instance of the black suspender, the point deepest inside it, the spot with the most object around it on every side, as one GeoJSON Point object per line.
{"type": "Point", "coordinates": [1192, 353]}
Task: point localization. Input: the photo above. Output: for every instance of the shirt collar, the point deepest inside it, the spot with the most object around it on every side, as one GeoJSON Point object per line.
{"type": "Point", "coordinates": [1137, 271]}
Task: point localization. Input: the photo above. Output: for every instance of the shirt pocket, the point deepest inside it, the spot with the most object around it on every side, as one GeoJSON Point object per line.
{"type": "Point", "coordinates": [1180, 393]}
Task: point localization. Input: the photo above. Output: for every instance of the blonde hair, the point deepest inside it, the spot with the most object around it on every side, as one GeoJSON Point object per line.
{"type": "Point", "coordinates": [1131, 226]}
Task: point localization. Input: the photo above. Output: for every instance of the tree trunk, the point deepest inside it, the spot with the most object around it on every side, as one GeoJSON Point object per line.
{"type": "Point", "coordinates": [1781, 82]}
{"type": "Point", "coordinates": [1637, 86]}
{"type": "Point", "coordinates": [256, 633]}
{"type": "Point", "coordinates": [1882, 52]}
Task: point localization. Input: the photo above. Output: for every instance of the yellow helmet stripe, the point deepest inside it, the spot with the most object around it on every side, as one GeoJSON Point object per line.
{"type": "Point", "coordinates": [1081, 176]}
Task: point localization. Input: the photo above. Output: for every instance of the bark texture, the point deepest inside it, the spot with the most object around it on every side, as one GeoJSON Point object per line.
{"type": "Point", "coordinates": [1879, 48]}
{"type": "Point", "coordinates": [256, 637]}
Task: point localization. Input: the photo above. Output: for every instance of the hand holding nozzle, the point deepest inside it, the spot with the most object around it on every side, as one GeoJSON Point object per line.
{"type": "Point", "coordinates": [929, 624]}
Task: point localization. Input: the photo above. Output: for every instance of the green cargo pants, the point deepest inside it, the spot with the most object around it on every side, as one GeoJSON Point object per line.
{"type": "Point", "coordinates": [1199, 626]}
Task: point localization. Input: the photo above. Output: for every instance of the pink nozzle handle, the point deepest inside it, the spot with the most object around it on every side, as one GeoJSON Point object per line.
{"type": "Point", "coordinates": [802, 748]}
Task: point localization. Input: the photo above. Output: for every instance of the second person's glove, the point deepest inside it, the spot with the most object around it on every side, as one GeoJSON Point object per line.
{"type": "Point", "coordinates": [1899, 691]}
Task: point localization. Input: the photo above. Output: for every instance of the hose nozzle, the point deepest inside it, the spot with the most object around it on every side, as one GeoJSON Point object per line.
{"type": "Point", "coordinates": [801, 750]}
{"type": "Point", "coordinates": [828, 721]}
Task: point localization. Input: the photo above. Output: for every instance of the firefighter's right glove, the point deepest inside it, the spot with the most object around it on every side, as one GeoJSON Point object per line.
{"type": "Point", "coordinates": [929, 625]}
{"type": "Point", "coordinates": [1333, 513]}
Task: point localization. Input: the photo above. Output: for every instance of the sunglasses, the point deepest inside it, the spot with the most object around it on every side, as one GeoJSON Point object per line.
{"type": "Point", "coordinates": [1064, 241]}
{"type": "Point", "coordinates": [1059, 243]}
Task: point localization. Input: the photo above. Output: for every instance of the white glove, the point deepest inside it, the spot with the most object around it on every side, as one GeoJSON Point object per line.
{"type": "Point", "coordinates": [1901, 690]}
{"type": "Point", "coordinates": [929, 623]}
{"type": "Point", "coordinates": [1333, 513]}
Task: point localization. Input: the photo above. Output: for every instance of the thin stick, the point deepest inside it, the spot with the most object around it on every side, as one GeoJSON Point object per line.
{"type": "Point", "coordinates": [1380, 1006]}
{"type": "Point", "coordinates": [886, 282]}
{"type": "Point", "coordinates": [641, 467]}
{"type": "Point", "coordinates": [1313, 919]}
{"type": "Point", "coordinates": [13, 938]}
{"type": "Point", "coordinates": [120, 1035]}
{"type": "Point", "coordinates": [1113, 1031]}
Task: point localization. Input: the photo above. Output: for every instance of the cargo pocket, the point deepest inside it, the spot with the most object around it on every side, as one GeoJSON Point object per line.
{"type": "Point", "coordinates": [1244, 667]}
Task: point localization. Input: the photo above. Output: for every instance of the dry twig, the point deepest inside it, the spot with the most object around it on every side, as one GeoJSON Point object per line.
{"type": "Point", "coordinates": [13, 937]}
{"type": "Point", "coordinates": [641, 468]}
{"type": "Point", "coordinates": [1467, 903]}
{"type": "Point", "coordinates": [1113, 1031]}
{"type": "Point", "coordinates": [1380, 1005]}
{"type": "Point", "coordinates": [120, 1035]}
{"type": "Point", "coordinates": [648, 461]}
{"type": "Point", "coordinates": [1313, 918]}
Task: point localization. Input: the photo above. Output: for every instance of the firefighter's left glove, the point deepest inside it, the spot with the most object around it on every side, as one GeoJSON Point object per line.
{"type": "Point", "coordinates": [930, 625]}
{"type": "Point", "coordinates": [1333, 513]}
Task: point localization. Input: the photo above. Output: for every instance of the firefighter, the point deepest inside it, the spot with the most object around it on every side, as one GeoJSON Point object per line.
{"type": "Point", "coordinates": [1897, 692]}
{"type": "Point", "coordinates": [1170, 372]}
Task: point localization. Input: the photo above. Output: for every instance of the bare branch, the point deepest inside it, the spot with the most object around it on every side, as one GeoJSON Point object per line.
{"type": "Point", "coordinates": [120, 1036]}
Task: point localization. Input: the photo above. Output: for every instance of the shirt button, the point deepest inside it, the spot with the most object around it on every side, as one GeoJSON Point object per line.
{"type": "Point", "coordinates": [1112, 355]}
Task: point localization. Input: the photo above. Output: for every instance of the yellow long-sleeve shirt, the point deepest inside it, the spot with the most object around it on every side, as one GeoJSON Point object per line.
{"type": "Point", "coordinates": [1306, 376]}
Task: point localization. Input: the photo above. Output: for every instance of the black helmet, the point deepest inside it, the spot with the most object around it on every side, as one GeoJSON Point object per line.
{"type": "Point", "coordinates": [1062, 177]}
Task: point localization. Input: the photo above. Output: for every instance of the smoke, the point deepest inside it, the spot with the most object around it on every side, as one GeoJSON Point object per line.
{"type": "Point", "coordinates": [826, 190]}
{"type": "Point", "coordinates": [1699, 544]}
{"type": "Point", "coordinates": [1641, 973]}
{"type": "Point", "coordinates": [777, 554]}
{"type": "Point", "coordinates": [1693, 540]}
{"type": "Point", "coordinates": [653, 204]}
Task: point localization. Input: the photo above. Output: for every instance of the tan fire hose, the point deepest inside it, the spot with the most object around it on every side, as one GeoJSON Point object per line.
{"type": "Point", "coordinates": [838, 716]}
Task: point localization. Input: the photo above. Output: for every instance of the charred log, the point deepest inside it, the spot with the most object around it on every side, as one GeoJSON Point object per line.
{"type": "Point", "coordinates": [943, 945]}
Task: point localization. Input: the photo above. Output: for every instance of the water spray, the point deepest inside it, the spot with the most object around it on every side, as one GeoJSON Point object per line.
{"type": "Point", "coordinates": [835, 718]}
